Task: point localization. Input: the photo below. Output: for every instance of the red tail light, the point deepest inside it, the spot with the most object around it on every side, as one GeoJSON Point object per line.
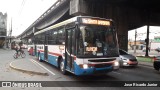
{"type": "Point", "coordinates": [154, 59]}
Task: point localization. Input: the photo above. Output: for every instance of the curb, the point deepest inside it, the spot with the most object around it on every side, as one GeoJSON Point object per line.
{"type": "Point", "coordinates": [145, 65]}
{"type": "Point", "coordinates": [144, 56]}
{"type": "Point", "coordinates": [27, 71]}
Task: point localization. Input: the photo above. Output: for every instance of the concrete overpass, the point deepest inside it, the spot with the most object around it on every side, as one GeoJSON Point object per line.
{"type": "Point", "coordinates": [127, 14]}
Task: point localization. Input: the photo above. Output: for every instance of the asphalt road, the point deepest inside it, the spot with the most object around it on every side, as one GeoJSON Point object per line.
{"type": "Point", "coordinates": [139, 73]}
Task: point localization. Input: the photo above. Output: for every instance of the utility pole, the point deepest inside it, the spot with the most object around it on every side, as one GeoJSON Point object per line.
{"type": "Point", "coordinates": [10, 34]}
{"type": "Point", "coordinates": [147, 39]}
{"type": "Point", "coordinates": [135, 41]}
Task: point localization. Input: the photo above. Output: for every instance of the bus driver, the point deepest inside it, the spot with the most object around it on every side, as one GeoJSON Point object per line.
{"type": "Point", "coordinates": [109, 42]}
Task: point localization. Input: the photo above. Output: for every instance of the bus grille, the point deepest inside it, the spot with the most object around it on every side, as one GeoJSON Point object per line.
{"type": "Point", "coordinates": [101, 65]}
{"type": "Point", "coordinates": [101, 60]}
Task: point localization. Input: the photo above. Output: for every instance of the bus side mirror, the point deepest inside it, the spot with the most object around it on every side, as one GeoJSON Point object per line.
{"type": "Point", "coordinates": [78, 31]}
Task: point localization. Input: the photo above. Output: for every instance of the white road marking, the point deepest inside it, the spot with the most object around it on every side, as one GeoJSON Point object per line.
{"type": "Point", "coordinates": [42, 66]}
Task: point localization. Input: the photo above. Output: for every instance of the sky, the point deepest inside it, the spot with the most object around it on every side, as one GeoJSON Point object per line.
{"type": "Point", "coordinates": [23, 12]}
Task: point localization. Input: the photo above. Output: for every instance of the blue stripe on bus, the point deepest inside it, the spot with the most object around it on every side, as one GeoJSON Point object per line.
{"type": "Point", "coordinates": [77, 70]}
{"type": "Point", "coordinates": [51, 59]}
{"type": "Point", "coordinates": [41, 56]}
{"type": "Point", "coordinates": [81, 71]}
{"type": "Point", "coordinates": [89, 71]}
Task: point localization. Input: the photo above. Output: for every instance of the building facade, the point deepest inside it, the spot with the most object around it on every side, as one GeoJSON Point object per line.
{"type": "Point", "coordinates": [3, 28]}
{"type": "Point", "coordinates": [155, 43]}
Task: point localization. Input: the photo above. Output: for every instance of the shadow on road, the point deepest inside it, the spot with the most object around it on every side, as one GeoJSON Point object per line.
{"type": "Point", "coordinates": [104, 77]}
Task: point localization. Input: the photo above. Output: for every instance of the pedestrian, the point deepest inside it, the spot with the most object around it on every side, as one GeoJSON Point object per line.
{"type": "Point", "coordinates": [17, 48]}
{"type": "Point", "coordinates": [31, 51]}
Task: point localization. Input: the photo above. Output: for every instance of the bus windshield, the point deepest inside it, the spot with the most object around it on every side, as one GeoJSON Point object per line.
{"type": "Point", "coordinates": [97, 41]}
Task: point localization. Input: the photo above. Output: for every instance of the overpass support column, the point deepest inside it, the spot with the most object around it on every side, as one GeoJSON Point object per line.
{"type": "Point", "coordinates": [123, 36]}
{"type": "Point", "coordinates": [78, 7]}
{"type": "Point", "coordinates": [122, 29]}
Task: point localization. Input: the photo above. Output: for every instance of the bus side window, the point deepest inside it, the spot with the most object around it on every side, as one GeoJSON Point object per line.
{"type": "Point", "coordinates": [38, 39]}
{"type": "Point", "coordinates": [54, 37]}
{"type": "Point", "coordinates": [42, 38]}
{"type": "Point", "coordinates": [50, 37]}
{"type": "Point", "coordinates": [80, 51]}
{"type": "Point", "coordinates": [35, 39]}
{"type": "Point", "coordinates": [61, 36]}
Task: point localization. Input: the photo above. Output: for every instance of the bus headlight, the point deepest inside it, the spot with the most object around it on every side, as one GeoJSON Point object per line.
{"type": "Point", "coordinates": [116, 63]}
{"type": "Point", "coordinates": [85, 66]}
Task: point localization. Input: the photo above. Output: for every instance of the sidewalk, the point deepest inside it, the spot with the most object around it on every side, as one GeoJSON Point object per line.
{"type": "Point", "coordinates": [152, 53]}
{"type": "Point", "coordinates": [149, 64]}
{"type": "Point", "coordinates": [27, 66]}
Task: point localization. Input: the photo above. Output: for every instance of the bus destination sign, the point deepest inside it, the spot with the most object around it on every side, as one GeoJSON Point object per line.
{"type": "Point", "coordinates": [95, 21]}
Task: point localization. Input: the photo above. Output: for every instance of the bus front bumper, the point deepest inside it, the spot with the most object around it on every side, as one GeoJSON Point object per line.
{"type": "Point", "coordinates": [92, 70]}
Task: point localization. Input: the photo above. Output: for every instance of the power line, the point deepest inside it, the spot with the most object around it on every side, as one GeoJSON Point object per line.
{"type": "Point", "coordinates": [22, 6]}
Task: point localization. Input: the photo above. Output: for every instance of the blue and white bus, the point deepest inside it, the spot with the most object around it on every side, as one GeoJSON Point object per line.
{"type": "Point", "coordinates": [82, 45]}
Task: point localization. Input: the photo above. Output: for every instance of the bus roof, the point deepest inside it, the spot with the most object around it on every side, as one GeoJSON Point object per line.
{"type": "Point", "coordinates": [57, 25]}
{"type": "Point", "coordinates": [74, 19]}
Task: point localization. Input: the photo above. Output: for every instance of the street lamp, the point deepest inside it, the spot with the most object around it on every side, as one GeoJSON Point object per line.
{"type": "Point", "coordinates": [135, 41]}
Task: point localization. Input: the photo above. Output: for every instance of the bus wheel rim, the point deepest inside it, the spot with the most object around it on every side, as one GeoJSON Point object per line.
{"type": "Point", "coordinates": [62, 66]}
{"type": "Point", "coordinates": [39, 58]}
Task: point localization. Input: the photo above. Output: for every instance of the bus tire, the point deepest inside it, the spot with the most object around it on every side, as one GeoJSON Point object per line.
{"type": "Point", "coordinates": [62, 67]}
{"type": "Point", "coordinates": [39, 57]}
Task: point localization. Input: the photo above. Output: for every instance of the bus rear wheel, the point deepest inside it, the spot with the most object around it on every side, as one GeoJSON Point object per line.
{"type": "Point", "coordinates": [62, 67]}
{"type": "Point", "coordinates": [39, 58]}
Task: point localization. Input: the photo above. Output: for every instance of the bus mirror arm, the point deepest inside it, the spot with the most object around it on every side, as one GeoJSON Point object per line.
{"type": "Point", "coordinates": [77, 33]}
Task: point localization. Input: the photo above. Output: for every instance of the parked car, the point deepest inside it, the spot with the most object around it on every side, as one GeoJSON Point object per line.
{"type": "Point", "coordinates": [127, 59]}
{"type": "Point", "coordinates": [156, 63]}
{"type": "Point", "coordinates": [157, 49]}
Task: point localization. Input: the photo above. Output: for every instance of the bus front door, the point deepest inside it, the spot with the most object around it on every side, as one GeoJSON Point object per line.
{"type": "Point", "coordinates": [35, 50]}
{"type": "Point", "coordinates": [70, 49]}
{"type": "Point", "coordinates": [46, 47]}
{"type": "Point", "coordinates": [45, 52]}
